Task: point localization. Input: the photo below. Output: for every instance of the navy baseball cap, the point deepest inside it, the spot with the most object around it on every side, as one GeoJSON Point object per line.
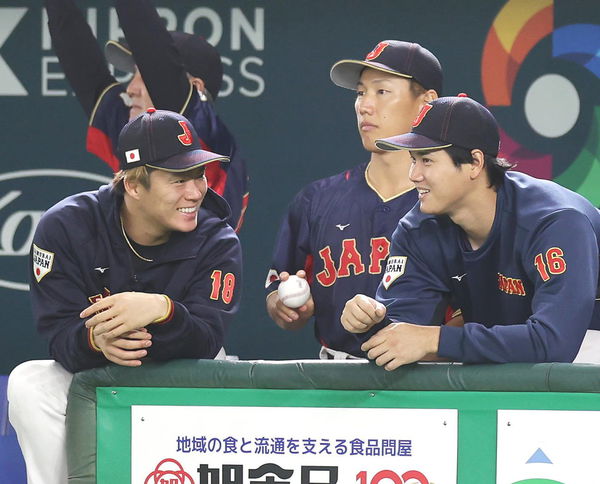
{"type": "Point", "coordinates": [449, 121]}
{"type": "Point", "coordinates": [200, 58]}
{"type": "Point", "coordinates": [404, 59]}
{"type": "Point", "coordinates": [163, 140]}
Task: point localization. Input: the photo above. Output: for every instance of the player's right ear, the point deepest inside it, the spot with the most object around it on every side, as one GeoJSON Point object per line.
{"type": "Point", "coordinates": [477, 163]}
{"type": "Point", "coordinates": [430, 95]}
{"type": "Point", "coordinates": [132, 187]}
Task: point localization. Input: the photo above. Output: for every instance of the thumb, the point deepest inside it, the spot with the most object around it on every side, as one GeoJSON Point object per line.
{"type": "Point", "coordinates": [380, 309]}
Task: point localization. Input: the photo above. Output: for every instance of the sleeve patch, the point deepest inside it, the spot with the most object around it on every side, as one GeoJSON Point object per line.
{"type": "Point", "coordinates": [272, 276]}
{"type": "Point", "coordinates": [43, 261]}
{"type": "Point", "coordinates": [394, 269]}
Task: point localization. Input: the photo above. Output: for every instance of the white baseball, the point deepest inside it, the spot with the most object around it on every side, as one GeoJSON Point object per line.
{"type": "Point", "coordinates": [294, 292]}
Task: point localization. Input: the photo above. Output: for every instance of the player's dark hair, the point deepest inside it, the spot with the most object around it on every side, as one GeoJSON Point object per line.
{"type": "Point", "coordinates": [416, 89]}
{"type": "Point", "coordinates": [494, 167]}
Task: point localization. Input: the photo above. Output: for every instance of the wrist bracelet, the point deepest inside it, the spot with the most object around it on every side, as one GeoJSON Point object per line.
{"type": "Point", "coordinates": [92, 341]}
{"type": "Point", "coordinates": [169, 312]}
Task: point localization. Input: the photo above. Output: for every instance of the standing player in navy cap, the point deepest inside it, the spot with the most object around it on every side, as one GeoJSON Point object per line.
{"type": "Point", "coordinates": [337, 230]}
{"type": "Point", "coordinates": [518, 255]}
{"type": "Point", "coordinates": [144, 268]}
{"type": "Point", "coordinates": [175, 71]}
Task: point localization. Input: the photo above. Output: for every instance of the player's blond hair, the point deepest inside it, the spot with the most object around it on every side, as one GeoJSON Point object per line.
{"type": "Point", "coordinates": [139, 174]}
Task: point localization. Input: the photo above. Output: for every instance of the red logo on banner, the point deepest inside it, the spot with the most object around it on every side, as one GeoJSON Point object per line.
{"type": "Point", "coordinates": [186, 137]}
{"type": "Point", "coordinates": [172, 476]}
{"type": "Point", "coordinates": [376, 52]}
{"type": "Point", "coordinates": [388, 475]}
{"type": "Point", "coordinates": [424, 110]}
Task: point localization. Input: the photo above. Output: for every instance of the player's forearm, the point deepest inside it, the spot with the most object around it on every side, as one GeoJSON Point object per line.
{"type": "Point", "coordinates": [80, 56]}
{"type": "Point", "coordinates": [159, 63]}
{"type": "Point", "coordinates": [189, 335]}
{"type": "Point", "coordinates": [528, 342]}
{"type": "Point", "coordinates": [74, 350]}
{"type": "Point", "coordinates": [201, 316]}
{"type": "Point", "coordinates": [69, 340]}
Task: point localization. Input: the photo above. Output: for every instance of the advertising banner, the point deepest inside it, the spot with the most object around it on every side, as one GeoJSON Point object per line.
{"type": "Point", "coordinates": [235, 445]}
{"type": "Point", "coordinates": [547, 446]}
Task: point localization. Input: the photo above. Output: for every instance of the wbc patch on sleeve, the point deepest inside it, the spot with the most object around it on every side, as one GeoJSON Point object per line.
{"type": "Point", "coordinates": [393, 269]}
{"type": "Point", "coordinates": [42, 262]}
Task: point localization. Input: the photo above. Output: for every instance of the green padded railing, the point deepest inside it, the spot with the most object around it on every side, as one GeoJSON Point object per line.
{"type": "Point", "coordinates": [304, 374]}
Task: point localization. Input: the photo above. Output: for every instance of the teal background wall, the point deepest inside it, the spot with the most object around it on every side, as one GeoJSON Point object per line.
{"type": "Point", "coordinates": [292, 123]}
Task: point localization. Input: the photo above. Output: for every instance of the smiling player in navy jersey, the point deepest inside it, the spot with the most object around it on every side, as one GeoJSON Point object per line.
{"type": "Point", "coordinates": [144, 268]}
{"type": "Point", "coordinates": [337, 230]}
{"type": "Point", "coordinates": [518, 255]}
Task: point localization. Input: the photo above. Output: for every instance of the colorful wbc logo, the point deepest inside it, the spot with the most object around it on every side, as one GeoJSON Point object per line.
{"type": "Point", "coordinates": [531, 66]}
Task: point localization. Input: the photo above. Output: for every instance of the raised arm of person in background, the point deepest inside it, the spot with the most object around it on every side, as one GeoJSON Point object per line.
{"type": "Point", "coordinates": [79, 54]}
{"type": "Point", "coordinates": [156, 56]}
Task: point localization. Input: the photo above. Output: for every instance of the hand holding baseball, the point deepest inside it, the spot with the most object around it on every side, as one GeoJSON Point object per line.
{"type": "Point", "coordinates": [287, 317]}
{"type": "Point", "coordinates": [294, 291]}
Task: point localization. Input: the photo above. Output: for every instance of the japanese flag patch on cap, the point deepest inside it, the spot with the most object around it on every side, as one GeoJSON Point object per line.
{"type": "Point", "coordinates": [132, 156]}
{"type": "Point", "coordinates": [42, 262]}
{"type": "Point", "coordinates": [393, 270]}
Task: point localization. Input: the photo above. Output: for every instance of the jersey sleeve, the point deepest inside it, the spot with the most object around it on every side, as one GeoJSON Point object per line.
{"type": "Point", "coordinates": [58, 297]}
{"type": "Point", "coordinates": [106, 121]}
{"type": "Point", "coordinates": [236, 190]}
{"type": "Point", "coordinates": [411, 288]}
{"type": "Point", "coordinates": [228, 179]}
{"type": "Point", "coordinates": [78, 51]}
{"type": "Point", "coordinates": [155, 55]}
{"type": "Point", "coordinates": [561, 260]}
{"type": "Point", "coordinates": [292, 245]}
{"type": "Point", "coordinates": [200, 319]}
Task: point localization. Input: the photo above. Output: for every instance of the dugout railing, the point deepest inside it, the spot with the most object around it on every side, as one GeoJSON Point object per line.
{"type": "Point", "coordinates": [476, 391]}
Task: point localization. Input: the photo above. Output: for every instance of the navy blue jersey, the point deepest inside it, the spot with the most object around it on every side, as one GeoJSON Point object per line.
{"type": "Point", "coordinates": [165, 78]}
{"type": "Point", "coordinates": [79, 255]}
{"type": "Point", "coordinates": [338, 229]}
{"type": "Point", "coordinates": [528, 294]}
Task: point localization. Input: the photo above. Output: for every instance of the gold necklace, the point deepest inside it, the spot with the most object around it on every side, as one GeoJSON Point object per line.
{"type": "Point", "coordinates": [145, 259]}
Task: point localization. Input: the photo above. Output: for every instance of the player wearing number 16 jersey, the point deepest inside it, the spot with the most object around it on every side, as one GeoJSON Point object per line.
{"type": "Point", "coordinates": [337, 229]}
{"type": "Point", "coordinates": [518, 255]}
